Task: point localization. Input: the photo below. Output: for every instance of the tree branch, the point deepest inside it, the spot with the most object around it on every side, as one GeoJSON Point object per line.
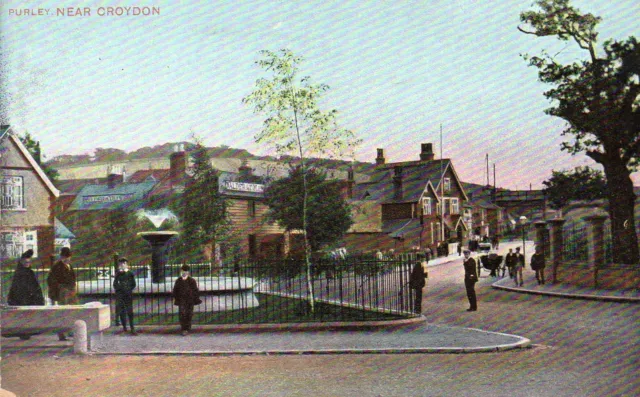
{"type": "Point", "coordinates": [528, 32]}
{"type": "Point", "coordinates": [598, 157]}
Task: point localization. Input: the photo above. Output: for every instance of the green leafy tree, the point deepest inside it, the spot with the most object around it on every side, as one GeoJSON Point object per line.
{"type": "Point", "coordinates": [295, 124]}
{"type": "Point", "coordinates": [581, 183]}
{"type": "Point", "coordinates": [204, 216]}
{"type": "Point", "coordinates": [329, 215]}
{"type": "Point", "coordinates": [109, 154]}
{"type": "Point", "coordinates": [599, 98]}
{"type": "Point", "coordinates": [33, 147]}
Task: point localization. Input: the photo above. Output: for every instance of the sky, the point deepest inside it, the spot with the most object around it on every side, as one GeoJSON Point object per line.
{"type": "Point", "coordinates": [400, 73]}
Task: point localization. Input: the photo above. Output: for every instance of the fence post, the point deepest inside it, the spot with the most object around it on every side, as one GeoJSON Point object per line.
{"type": "Point", "coordinates": [595, 244]}
{"type": "Point", "coordinates": [557, 247]}
{"type": "Point", "coordinates": [540, 241]}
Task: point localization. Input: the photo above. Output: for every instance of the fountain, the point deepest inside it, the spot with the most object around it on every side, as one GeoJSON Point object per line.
{"type": "Point", "coordinates": [158, 241]}
{"type": "Point", "coordinates": [154, 292]}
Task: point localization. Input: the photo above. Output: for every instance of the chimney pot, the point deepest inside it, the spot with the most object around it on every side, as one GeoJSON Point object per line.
{"type": "Point", "coordinates": [380, 158]}
{"type": "Point", "coordinates": [426, 153]}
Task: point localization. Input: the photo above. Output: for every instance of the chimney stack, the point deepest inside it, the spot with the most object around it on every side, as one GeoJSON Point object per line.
{"type": "Point", "coordinates": [380, 158]}
{"type": "Point", "coordinates": [177, 165]}
{"type": "Point", "coordinates": [426, 153]}
{"type": "Point", "coordinates": [114, 178]}
{"type": "Point", "coordinates": [397, 182]}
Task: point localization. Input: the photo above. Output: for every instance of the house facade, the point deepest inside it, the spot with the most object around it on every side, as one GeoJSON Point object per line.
{"type": "Point", "coordinates": [408, 205]}
{"type": "Point", "coordinates": [27, 202]}
{"type": "Point", "coordinates": [251, 234]}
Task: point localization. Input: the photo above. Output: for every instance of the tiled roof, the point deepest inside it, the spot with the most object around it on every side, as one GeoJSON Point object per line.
{"type": "Point", "coordinates": [402, 228]}
{"type": "Point", "coordinates": [73, 186]}
{"type": "Point", "coordinates": [129, 196]}
{"type": "Point", "coordinates": [148, 175]}
{"type": "Point", "coordinates": [415, 177]}
{"type": "Point", "coordinates": [61, 231]}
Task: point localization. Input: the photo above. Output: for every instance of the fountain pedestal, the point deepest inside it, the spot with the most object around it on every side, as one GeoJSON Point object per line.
{"type": "Point", "coordinates": [158, 241]}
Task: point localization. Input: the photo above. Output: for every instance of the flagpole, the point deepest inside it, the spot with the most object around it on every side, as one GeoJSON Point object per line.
{"type": "Point", "coordinates": [441, 189]}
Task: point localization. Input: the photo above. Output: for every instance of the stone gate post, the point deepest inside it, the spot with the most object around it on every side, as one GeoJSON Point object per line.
{"type": "Point", "coordinates": [557, 247]}
{"type": "Point", "coordinates": [540, 240]}
{"type": "Point", "coordinates": [595, 244]}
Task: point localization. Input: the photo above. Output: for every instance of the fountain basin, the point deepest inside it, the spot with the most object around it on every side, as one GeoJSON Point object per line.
{"type": "Point", "coordinates": [217, 294]}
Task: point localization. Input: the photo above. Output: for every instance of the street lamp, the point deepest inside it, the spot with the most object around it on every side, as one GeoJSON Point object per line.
{"type": "Point", "coordinates": [523, 223]}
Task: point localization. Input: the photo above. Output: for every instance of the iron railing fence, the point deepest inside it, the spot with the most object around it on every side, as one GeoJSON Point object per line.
{"type": "Point", "coordinates": [576, 244]}
{"type": "Point", "coordinates": [266, 291]}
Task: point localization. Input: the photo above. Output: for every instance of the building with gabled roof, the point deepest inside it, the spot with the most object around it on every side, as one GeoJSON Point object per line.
{"type": "Point", "coordinates": [27, 201]}
{"type": "Point", "coordinates": [420, 205]}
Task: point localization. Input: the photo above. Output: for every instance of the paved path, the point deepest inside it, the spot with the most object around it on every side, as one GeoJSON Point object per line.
{"type": "Point", "coordinates": [415, 337]}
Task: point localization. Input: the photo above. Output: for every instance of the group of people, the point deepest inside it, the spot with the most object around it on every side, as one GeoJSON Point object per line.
{"type": "Point", "coordinates": [515, 263]}
{"type": "Point", "coordinates": [25, 290]}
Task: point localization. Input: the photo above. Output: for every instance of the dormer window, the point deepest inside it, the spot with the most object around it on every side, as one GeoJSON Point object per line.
{"type": "Point", "coordinates": [447, 184]}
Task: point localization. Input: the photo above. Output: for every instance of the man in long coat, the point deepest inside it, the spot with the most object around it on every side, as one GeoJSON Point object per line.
{"type": "Point", "coordinates": [470, 279]}
{"type": "Point", "coordinates": [25, 289]}
{"type": "Point", "coordinates": [186, 296]}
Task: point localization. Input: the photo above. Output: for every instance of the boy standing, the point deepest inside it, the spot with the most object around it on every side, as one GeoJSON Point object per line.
{"type": "Point", "coordinates": [124, 284]}
{"type": "Point", "coordinates": [186, 295]}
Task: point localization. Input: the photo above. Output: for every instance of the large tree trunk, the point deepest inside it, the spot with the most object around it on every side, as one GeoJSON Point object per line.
{"type": "Point", "coordinates": [621, 212]}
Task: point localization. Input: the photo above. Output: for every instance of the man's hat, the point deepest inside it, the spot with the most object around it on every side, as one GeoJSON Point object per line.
{"type": "Point", "coordinates": [517, 248]}
{"type": "Point", "coordinates": [65, 252]}
{"type": "Point", "coordinates": [123, 260]}
{"type": "Point", "coordinates": [185, 268]}
{"type": "Point", "coordinates": [466, 251]}
{"type": "Point", "coordinates": [27, 254]}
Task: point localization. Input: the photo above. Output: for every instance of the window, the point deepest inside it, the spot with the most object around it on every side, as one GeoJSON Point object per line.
{"type": "Point", "coordinates": [31, 242]}
{"type": "Point", "coordinates": [433, 234]}
{"type": "Point", "coordinates": [446, 203]}
{"type": "Point", "coordinates": [251, 206]}
{"type": "Point", "coordinates": [455, 207]}
{"type": "Point", "coordinates": [447, 184]}
{"type": "Point", "coordinates": [426, 206]}
{"type": "Point", "coordinates": [11, 193]}
{"type": "Point", "coordinates": [11, 244]}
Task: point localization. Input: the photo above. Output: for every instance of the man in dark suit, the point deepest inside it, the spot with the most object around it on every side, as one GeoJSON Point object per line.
{"type": "Point", "coordinates": [470, 279]}
{"type": "Point", "coordinates": [538, 265]}
{"type": "Point", "coordinates": [518, 268]}
{"type": "Point", "coordinates": [510, 262]}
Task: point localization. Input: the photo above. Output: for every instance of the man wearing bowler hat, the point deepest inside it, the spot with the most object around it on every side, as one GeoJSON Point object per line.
{"type": "Point", "coordinates": [470, 280]}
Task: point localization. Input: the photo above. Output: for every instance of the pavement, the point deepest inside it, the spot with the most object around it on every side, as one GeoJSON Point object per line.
{"type": "Point", "coordinates": [402, 336]}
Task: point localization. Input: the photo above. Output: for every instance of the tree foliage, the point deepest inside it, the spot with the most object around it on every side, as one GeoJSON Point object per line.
{"type": "Point", "coordinates": [581, 183]}
{"type": "Point", "coordinates": [295, 124]}
{"type": "Point", "coordinates": [599, 98]}
{"type": "Point", "coordinates": [328, 213]}
{"type": "Point", "coordinates": [33, 147]}
{"type": "Point", "coordinates": [204, 217]}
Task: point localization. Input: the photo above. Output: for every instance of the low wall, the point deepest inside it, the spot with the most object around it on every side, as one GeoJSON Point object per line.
{"type": "Point", "coordinates": [614, 277]}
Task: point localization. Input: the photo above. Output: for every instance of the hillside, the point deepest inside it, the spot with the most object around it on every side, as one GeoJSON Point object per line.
{"type": "Point", "coordinates": [105, 155]}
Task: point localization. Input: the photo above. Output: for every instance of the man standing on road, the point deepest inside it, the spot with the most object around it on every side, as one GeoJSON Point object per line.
{"type": "Point", "coordinates": [470, 279]}
{"type": "Point", "coordinates": [417, 281]}
{"type": "Point", "coordinates": [519, 266]}
{"type": "Point", "coordinates": [510, 262]}
{"type": "Point", "coordinates": [538, 265]}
